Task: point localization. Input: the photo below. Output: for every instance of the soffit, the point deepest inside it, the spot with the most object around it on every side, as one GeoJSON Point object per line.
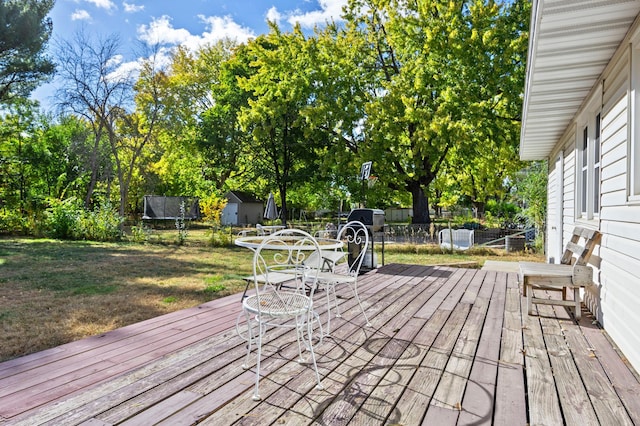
{"type": "Point", "coordinates": [571, 43]}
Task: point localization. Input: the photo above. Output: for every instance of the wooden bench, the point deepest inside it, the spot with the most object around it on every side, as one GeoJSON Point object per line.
{"type": "Point", "coordinates": [573, 272]}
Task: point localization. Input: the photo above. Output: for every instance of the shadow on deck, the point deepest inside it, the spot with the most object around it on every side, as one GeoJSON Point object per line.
{"type": "Point", "coordinates": [447, 346]}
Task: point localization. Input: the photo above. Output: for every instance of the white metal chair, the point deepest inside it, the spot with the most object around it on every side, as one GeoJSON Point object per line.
{"type": "Point", "coordinates": [275, 305]}
{"type": "Point", "coordinates": [345, 268]}
{"type": "Point", "coordinates": [456, 239]}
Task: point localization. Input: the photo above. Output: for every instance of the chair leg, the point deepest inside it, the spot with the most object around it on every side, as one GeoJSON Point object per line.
{"type": "Point", "coordinates": [250, 338]}
{"type": "Point", "coordinates": [355, 292]}
{"type": "Point", "coordinates": [335, 301]}
{"type": "Point", "coordinates": [256, 391]}
{"type": "Point", "coordinates": [328, 290]}
{"type": "Point", "coordinates": [529, 291]}
{"type": "Point", "coordinates": [300, 338]}
{"type": "Point", "coordinates": [576, 299]}
{"type": "Point", "coordinates": [313, 355]}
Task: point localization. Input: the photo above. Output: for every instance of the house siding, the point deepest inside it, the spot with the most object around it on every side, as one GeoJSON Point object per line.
{"type": "Point", "coordinates": [569, 204]}
{"type": "Point", "coordinates": [615, 298]}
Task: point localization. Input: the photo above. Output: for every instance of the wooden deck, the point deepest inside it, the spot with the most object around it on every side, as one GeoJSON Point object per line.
{"type": "Point", "coordinates": [448, 346]}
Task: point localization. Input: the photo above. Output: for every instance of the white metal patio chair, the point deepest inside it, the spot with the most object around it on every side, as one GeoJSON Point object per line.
{"type": "Point", "coordinates": [275, 305]}
{"type": "Point", "coordinates": [345, 268]}
{"type": "Point", "coordinates": [456, 239]}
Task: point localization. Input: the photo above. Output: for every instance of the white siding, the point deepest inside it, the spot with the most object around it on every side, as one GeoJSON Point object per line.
{"type": "Point", "coordinates": [615, 300]}
{"type": "Point", "coordinates": [569, 205]}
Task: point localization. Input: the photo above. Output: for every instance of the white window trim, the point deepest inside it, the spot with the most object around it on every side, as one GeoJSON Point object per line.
{"type": "Point", "coordinates": [587, 120]}
{"type": "Point", "coordinates": [633, 155]}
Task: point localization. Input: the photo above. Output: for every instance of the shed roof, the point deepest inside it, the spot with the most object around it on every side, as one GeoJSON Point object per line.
{"type": "Point", "coordinates": [242, 197]}
{"type": "Point", "coordinates": [571, 43]}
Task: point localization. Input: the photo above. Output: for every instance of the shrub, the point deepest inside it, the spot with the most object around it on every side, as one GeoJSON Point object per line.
{"type": "Point", "coordinates": [221, 238]}
{"type": "Point", "coordinates": [11, 221]}
{"type": "Point", "coordinates": [103, 224]}
{"type": "Point", "coordinates": [67, 219]}
{"type": "Point", "coordinates": [62, 218]}
{"type": "Point", "coordinates": [139, 233]}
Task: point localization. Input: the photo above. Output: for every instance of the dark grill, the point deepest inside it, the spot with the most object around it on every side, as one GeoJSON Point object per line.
{"type": "Point", "coordinates": [373, 219]}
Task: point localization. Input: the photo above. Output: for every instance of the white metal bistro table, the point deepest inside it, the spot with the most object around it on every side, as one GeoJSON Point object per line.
{"type": "Point", "coordinates": [330, 249]}
{"type": "Point", "coordinates": [270, 229]}
{"type": "Point", "coordinates": [252, 242]}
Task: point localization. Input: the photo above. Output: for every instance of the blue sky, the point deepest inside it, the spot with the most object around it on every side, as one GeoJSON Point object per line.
{"type": "Point", "coordinates": [173, 22]}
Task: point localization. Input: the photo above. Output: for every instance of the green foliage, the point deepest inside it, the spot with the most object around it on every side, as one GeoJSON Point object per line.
{"type": "Point", "coordinates": [215, 284]}
{"type": "Point", "coordinates": [429, 91]}
{"type": "Point", "coordinates": [62, 218]}
{"type": "Point", "coordinates": [221, 238]}
{"type": "Point", "coordinates": [531, 191]}
{"type": "Point", "coordinates": [24, 33]}
{"type": "Point", "coordinates": [447, 81]}
{"type": "Point", "coordinates": [103, 224]}
{"type": "Point", "coordinates": [12, 221]}
{"type": "Point", "coordinates": [500, 213]}
{"type": "Point", "coordinates": [211, 207]}
{"type": "Point", "coordinates": [67, 219]}
{"type": "Point", "coordinates": [139, 233]}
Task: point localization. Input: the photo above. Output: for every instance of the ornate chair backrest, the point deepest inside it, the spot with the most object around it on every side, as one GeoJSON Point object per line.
{"type": "Point", "coordinates": [283, 253]}
{"type": "Point", "coordinates": [355, 237]}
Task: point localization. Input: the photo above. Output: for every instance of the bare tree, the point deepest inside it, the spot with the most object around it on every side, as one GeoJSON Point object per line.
{"type": "Point", "coordinates": [120, 102]}
{"type": "Point", "coordinates": [93, 87]}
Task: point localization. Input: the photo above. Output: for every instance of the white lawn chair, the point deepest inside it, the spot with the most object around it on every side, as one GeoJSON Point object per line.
{"type": "Point", "coordinates": [274, 305]}
{"type": "Point", "coordinates": [345, 269]}
{"type": "Point", "coordinates": [456, 239]}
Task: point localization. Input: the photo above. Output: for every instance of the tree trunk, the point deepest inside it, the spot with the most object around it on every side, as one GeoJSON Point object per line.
{"type": "Point", "coordinates": [283, 204]}
{"type": "Point", "coordinates": [420, 204]}
{"type": "Point", "coordinates": [94, 164]}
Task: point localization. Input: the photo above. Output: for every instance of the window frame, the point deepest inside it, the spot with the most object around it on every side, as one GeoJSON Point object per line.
{"type": "Point", "coordinates": [633, 155]}
{"type": "Point", "coordinates": [588, 164]}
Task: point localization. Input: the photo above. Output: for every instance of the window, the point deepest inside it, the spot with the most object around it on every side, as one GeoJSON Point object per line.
{"type": "Point", "coordinates": [596, 168]}
{"type": "Point", "coordinates": [633, 156]}
{"type": "Point", "coordinates": [589, 168]}
{"type": "Point", "coordinates": [584, 167]}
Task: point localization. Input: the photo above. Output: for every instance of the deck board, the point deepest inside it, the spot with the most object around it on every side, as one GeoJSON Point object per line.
{"type": "Point", "coordinates": [446, 346]}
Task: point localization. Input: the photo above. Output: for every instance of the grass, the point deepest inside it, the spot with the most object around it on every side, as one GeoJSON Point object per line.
{"type": "Point", "coordinates": [53, 292]}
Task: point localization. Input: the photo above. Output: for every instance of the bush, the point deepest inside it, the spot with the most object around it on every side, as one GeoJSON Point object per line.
{"type": "Point", "coordinates": [11, 221]}
{"type": "Point", "coordinates": [139, 233]}
{"type": "Point", "coordinates": [101, 225]}
{"type": "Point", "coordinates": [62, 218]}
{"type": "Point", "coordinates": [221, 238]}
{"type": "Point", "coordinates": [67, 219]}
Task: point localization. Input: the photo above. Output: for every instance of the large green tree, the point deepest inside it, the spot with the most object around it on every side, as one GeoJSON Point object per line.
{"type": "Point", "coordinates": [284, 148]}
{"type": "Point", "coordinates": [444, 72]}
{"type": "Point", "coordinates": [221, 137]}
{"type": "Point", "coordinates": [38, 158]}
{"type": "Point", "coordinates": [24, 33]}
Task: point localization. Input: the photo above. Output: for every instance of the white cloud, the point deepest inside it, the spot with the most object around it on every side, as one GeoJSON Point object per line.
{"type": "Point", "coordinates": [274, 16]}
{"type": "Point", "coordinates": [132, 8]}
{"type": "Point", "coordinates": [114, 61]}
{"type": "Point", "coordinates": [80, 15]}
{"type": "Point", "coordinates": [161, 32]}
{"type": "Point", "coordinates": [331, 10]}
{"type": "Point", "coordinates": [124, 71]}
{"type": "Point", "coordinates": [103, 4]}
{"type": "Point", "coordinates": [225, 27]}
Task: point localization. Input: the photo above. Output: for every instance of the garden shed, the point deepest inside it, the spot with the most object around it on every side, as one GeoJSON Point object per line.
{"type": "Point", "coordinates": [242, 208]}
